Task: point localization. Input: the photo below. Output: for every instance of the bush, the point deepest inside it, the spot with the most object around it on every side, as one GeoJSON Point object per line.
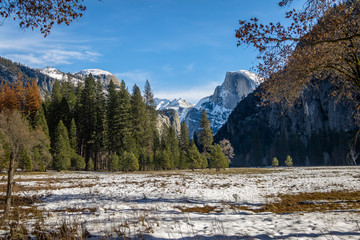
{"type": "Point", "coordinates": [288, 161]}
{"type": "Point", "coordinates": [77, 162]}
{"type": "Point", "coordinates": [275, 162]}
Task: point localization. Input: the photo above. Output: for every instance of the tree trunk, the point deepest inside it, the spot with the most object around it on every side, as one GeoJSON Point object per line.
{"type": "Point", "coordinates": [9, 186]}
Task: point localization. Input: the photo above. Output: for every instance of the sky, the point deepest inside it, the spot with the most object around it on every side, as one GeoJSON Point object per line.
{"type": "Point", "coordinates": [183, 47]}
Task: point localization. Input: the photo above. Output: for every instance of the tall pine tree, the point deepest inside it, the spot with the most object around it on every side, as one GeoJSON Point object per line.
{"type": "Point", "coordinates": [205, 134]}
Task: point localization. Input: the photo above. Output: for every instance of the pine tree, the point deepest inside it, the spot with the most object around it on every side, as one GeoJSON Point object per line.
{"type": "Point", "coordinates": [130, 162]}
{"type": "Point", "coordinates": [184, 137]}
{"type": "Point", "coordinates": [33, 99]}
{"type": "Point", "coordinates": [88, 118]}
{"type": "Point", "coordinates": [25, 162]}
{"type": "Point", "coordinates": [90, 165]}
{"type": "Point", "coordinates": [172, 147]}
{"type": "Point", "coordinates": [150, 129]}
{"type": "Point", "coordinates": [205, 134]}
{"type": "Point", "coordinates": [114, 162]}
{"type": "Point", "coordinates": [275, 162]}
{"type": "Point", "coordinates": [194, 157]}
{"type": "Point", "coordinates": [40, 121]}
{"type": "Point", "coordinates": [100, 129]}
{"type": "Point", "coordinates": [217, 158]}
{"type": "Point", "coordinates": [288, 161]}
{"type": "Point", "coordinates": [204, 161]}
{"type": "Point", "coordinates": [138, 117]}
{"type": "Point", "coordinates": [61, 150]}
{"type": "Point", "coordinates": [72, 135]}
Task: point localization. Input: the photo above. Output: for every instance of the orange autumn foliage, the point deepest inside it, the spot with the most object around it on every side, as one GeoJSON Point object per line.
{"type": "Point", "coordinates": [17, 97]}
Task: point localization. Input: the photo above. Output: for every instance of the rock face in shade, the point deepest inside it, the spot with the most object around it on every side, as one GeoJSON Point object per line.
{"type": "Point", "coordinates": [236, 86]}
{"type": "Point", "coordinates": [316, 131]}
{"type": "Point", "coordinates": [170, 117]}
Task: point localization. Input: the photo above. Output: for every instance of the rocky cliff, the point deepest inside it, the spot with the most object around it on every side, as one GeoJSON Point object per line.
{"type": "Point", "coordinates": [236, 86]}
{"type": "Point", "coordinates": [316, 131]}
{"type": "Point", "coordinates": [170, 117]}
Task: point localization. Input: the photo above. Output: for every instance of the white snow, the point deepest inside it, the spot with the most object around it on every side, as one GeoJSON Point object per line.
{"type": "Point", "coordinates": [94, 72]}
{"type": "Point", "coordinates": [149, 203]}
{"type": "Point", "coordinates": [253, 76]}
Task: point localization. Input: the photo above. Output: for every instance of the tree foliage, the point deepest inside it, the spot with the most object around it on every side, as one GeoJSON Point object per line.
{"type": "Point", "coordinates": [42, 14]}
{"type": "Point", "coordinates": [321, 40]}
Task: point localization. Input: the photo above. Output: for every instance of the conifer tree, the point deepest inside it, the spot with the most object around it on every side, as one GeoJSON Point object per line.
{"type": "Point", "coordinates": [150, 129]}
{"type": "Point", "coordinates": [33, 99]}
{"type": "Point", "coordinates": [25, 162]}
{"type": "Point", "coordinates": [172, 147]}
{"type": "Point", "coordinates": [40, 121]}
{"type": "Point", "coordinates": [205, 134]}
{"type": "Point", "coordinates": [217, 158]}
{"type": "Point", "coordinates": [288, 161]}
{"type": "Point", "coordinates": [113, 119]}
{"type": "Point", "coordinates": [204, 161]}
{"type": "Point", "coordinates": [90, 165]}
{"type": "Point", "coordinates": [114, 162]}
{"type": "Point", "coordinates": [184, 137]}
{"type": "Point", "coordinates": [125, 127]}
{"type": "Point", "coordinates": [138, 117]}
{"type": "Point", "coordinates": [130, 162]}
{"type": "Point", "coordinates": [72, 135]}
{"type": "Point", "coordinates": [275, 162]}
{"type": "Point", "coordinates": [100, 129]}
{"type": "Point", "coordinates": [61, 148]}
{"type": "Point", "coordinates": [88, 118]}
{"type": "Point", "coordinates": [194, 157]}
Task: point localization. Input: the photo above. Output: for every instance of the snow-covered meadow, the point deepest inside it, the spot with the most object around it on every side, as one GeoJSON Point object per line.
{"type": "Point", "coordinates": [201, 204]}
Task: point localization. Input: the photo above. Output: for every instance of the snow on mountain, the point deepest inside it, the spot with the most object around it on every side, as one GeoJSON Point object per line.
{"type": "Point", "coordinates": [80, 76]}
{"type": "Point", "coordinates": [236, 86]}
{"type": "Point", "coordinates": [104, 76]}
{"type": "Point", "coordinates": [94, 72]}
{"type": "Point", "coordinates": [180, 105]}
{"type": "Point", "coordinates": [61, 76]}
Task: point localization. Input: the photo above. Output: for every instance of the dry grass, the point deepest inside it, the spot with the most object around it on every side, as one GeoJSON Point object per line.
{"type": "Point", "coordinates": [311, 202]}
{"type": "Point", "coordinates": [206, 209]}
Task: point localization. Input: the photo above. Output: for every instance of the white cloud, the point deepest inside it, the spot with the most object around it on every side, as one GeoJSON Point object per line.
{"type": "Point", "coordinates": [193, 94]}
{"type": "Point", "coordinates": [35, 51]}
{"type": "Point", "coordinates": [52, 57]}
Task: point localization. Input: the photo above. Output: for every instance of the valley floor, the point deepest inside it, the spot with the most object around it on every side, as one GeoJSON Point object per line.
{"type": "Point", "coordinates": [245, 203]}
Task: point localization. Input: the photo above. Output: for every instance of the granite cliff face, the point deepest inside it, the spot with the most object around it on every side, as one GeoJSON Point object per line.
{"type": "Point", "coordinates": [236, 86]}
{"type": "Point", "coordinates": [316, 131]}
{"type": "Point", "coordinates": [169, 117]}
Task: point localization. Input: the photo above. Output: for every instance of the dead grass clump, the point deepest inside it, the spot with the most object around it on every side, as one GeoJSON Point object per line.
{"type": "Point", "coordinates": [20, 188]}
{"type": "Point", "coordinates": [313, 202]}
{"type": "Point", "coordinates": [74, 210]}
{"type": "Point", "coordinates": [206, 209]}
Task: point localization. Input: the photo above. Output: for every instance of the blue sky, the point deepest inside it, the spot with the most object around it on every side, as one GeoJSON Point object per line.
{"type": "Point", "coordinates": [184, 48]}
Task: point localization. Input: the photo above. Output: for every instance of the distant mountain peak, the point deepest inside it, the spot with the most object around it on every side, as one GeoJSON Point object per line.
{"type": "Point", "coordinates": [94, 72]}
{"type": "Point", "coordinates": [236, 86]}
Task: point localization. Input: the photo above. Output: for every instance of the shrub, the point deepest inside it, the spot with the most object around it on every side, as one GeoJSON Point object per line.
{"type": "Point", "coordinates": [275, 162]}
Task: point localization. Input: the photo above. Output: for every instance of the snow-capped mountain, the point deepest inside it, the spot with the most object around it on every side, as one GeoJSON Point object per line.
{"type": "Point", "coordinates": [180, 105]}
{"type": "Point", "coordinates": [236, 86]}
{"type": "Point", "coordinates": [80, 76]}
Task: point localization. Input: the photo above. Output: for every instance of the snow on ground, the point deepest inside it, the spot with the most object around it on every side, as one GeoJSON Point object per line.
{"type": "Point", "coordinates": [150, 203]}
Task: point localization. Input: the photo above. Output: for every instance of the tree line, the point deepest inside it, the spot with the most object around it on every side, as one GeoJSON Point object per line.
{"type": "Point", "coordinates": [85, 127]}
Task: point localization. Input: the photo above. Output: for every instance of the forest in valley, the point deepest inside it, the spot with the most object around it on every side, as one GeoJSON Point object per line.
{"type": "Point", "coordinates": [84, 127]}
